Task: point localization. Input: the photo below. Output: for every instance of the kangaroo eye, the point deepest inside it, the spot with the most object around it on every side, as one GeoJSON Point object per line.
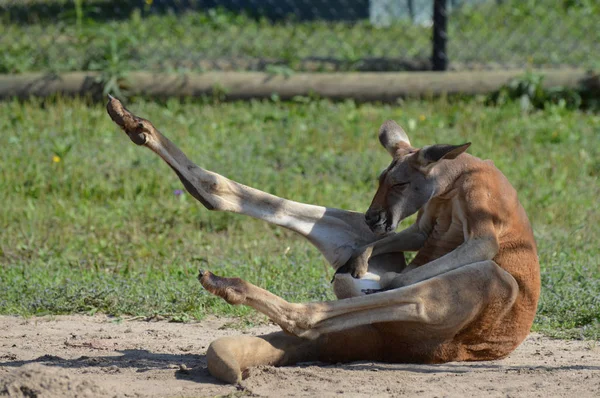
{"type": "Point", "coordinates": [400, 185]}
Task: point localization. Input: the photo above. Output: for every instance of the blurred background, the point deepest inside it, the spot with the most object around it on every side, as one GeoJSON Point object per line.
{"type": "Point", "coordinates": [299, 35]}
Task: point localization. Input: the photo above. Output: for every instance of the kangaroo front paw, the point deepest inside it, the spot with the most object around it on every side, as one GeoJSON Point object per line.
{"type": "Point", "coordinates": [232, 290]}
{"type": "Point", "coordinates": [358, 264]}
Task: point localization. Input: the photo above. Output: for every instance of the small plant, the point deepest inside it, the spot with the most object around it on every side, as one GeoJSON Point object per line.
{"type": "Point", "coordinates": [279, 70]}
{"type": "Point", "coordinates": [60, 150]}
{"type": "Point", "coordinates": [531, 94]}
{"type": "Point", "coordinates": [78, 12]}
{"type": "Point", "coordinates": [113, 71]}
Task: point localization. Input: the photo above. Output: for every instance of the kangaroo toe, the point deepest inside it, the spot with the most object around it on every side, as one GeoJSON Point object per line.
{"type": "Point", "coordinates": [232, 290]}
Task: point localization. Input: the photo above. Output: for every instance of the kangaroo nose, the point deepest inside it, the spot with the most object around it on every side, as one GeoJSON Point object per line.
{"type": "Point", "coordinates": [372, 217]}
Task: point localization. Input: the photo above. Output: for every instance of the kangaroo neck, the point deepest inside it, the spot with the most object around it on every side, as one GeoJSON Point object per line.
{"type": "Point", "coordinates": [445, 174]}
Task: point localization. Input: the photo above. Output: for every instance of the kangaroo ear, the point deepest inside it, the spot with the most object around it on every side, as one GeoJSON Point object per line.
{"type": "Point", "coordinates": [393, 138]}
{"type": "Point", "coordinates": [434, 153]}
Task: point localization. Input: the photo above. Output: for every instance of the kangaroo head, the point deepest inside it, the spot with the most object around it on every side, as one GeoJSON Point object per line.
{"type": "Point", "coordinates": [410, 181]}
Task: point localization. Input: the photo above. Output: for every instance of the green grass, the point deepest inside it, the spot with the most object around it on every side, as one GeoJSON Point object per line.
{"type": "Point", "coordinates": [90, 222]}
{"type": "Point", "coordinates": [62, 37]}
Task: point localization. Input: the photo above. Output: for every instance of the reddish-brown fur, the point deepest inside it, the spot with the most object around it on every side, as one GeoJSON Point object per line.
{"type": "Point", "coordinates": [469, 294]}
{"type": "Point", "coordinates": [484, 192]}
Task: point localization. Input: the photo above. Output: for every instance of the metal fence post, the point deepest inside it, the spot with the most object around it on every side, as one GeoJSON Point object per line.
{"type": "Point", "coordinates": [439, 59]}
{"type": "Point", "coordinates": [411, 10]}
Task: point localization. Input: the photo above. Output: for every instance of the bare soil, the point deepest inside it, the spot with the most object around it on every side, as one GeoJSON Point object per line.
{"type": "Point", "coordinates": [98, 356]}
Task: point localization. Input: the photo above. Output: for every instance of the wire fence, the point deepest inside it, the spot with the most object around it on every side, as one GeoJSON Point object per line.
{"type": "Point", "coordinates": [297, 35]}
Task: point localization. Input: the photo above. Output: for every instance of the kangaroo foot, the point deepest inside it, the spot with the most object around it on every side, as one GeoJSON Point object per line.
{"type": "Point", "coordinates": [232, 290]}
{"type": "Point", "coordinates": [137, 129]}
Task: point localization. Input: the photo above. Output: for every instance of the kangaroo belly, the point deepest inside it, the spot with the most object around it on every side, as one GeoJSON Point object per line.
{"type": "Point", "coordinates": [345, 286]}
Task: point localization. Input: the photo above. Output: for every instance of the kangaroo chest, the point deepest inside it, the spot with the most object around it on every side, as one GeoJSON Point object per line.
{"type": "Point", "coordinates": [444, 228]}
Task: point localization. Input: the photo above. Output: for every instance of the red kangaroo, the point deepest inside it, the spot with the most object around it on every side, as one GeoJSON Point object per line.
{"type": "Point", "coordinates": [470, 293]}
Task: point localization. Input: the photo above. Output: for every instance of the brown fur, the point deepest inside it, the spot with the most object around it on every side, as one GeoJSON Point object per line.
{"type": "Point", "coordinates": [489, 195]}
{"type": "Point", "coordinates": [469, 294]}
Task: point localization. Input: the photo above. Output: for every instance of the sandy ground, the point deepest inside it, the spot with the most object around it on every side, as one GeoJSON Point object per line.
{"type": "Point", "coordinates": [97, 356]}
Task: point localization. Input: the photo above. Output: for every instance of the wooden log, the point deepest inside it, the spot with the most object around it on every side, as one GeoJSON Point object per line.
{"type": "Point", "coordinates": [363, 86]}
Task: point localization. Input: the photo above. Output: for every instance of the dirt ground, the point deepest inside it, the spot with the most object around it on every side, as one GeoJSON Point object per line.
{"type": "Point", "coordinates": [82, 356]}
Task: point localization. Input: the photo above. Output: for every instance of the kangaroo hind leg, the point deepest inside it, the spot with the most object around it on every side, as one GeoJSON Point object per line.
{"type": "Point", "coordinates": [336, 233]}
{"type": "Point", "coordinates": [443, 304]}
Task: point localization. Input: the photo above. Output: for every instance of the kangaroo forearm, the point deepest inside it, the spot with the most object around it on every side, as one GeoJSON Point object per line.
{"type": "Point", "coordinates": [470, 252]}
{"type": "Point", "coordinates": [410, 239]}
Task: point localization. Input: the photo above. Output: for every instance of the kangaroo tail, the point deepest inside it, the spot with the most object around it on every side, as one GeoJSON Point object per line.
{"type": "Point", "coordinates": [230, 357]}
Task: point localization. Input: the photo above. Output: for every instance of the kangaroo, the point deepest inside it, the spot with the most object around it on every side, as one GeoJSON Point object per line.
{"type": "Point", "coordinates": [469, 294]}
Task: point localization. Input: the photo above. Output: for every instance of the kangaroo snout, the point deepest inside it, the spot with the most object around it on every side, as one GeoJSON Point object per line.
{"type": "Point", "coordinates": [373, 217]}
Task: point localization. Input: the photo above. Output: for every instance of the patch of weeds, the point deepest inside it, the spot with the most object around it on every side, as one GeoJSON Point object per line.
{"type": "Point", "coordinates": [530, 94]}
{"type": "Point", "coordinates": [279, 70]}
